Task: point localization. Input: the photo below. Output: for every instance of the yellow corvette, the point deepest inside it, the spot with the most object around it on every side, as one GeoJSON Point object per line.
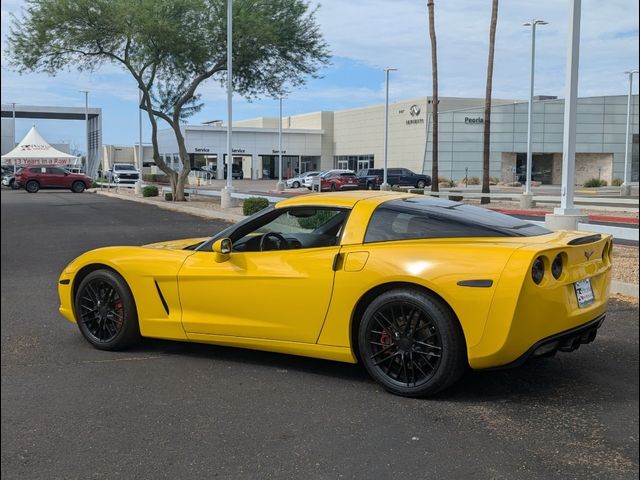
{"type": "Point", "coordinates": [415, 288]}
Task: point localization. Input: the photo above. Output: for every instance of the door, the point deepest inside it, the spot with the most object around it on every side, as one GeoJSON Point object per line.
{"type": "Point", "coordinates": [393, 176]}
{"type": "Point", "coordinates": [276, 284]}
{"type": "Point", "coordinates": [56, 177]}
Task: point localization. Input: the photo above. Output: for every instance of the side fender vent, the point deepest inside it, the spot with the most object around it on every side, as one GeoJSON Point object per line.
{"type": "Point", "coordinates": [164, 302]}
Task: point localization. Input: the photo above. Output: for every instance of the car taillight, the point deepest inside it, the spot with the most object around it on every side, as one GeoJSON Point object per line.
{"type": "Point", "coordinates": [556, 266]}
{"type": "Point", "coordinates": [537, 270]}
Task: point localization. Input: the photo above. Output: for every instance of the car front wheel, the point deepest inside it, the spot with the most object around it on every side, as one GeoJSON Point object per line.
{"type": "Point", "coordinates": [411, 343]}
{"type": "Point", "coordinates": [296, 185]}
{"type": "Point", "coordinates": [77, 187]}
{"type": "Point", "coordinates": [106, 312]}
{"type": "Point", "coordinates": [32, 186]}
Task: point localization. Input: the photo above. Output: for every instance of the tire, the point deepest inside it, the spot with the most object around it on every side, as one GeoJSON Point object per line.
{"type": "Point", "coordinates": [77, 187]}
{"type": "Point", "coordinates": [417, 358]}
{"type": "Point", "coordinates": [296, 185]}
{"type": "Point", "coordinates": [12, 185]}
{"type": "Point", "coordinates": [421, 184]}
{"type": "Point", "coordinates": [32, 186]}
{"type": "Point", "coordinates": [106, 311]}
{"type": "Point", "coordinates": [333, 187]}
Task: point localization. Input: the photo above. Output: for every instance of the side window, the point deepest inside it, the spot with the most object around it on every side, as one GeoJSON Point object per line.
{"type": "Point", "coordinates": [292, 229]}
{"type": "Point", "coordinates": [55, 171]}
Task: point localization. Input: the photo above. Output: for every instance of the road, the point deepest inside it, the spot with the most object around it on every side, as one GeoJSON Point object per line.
{"type": "Point", "coordinates": [177, 410]}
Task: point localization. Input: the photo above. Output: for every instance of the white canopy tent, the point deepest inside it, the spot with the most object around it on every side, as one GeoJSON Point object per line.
{"type": "Point", "coordinates": [35, 150]}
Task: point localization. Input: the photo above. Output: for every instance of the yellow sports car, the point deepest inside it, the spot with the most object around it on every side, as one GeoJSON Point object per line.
{"type": "Point", "coordinates": [415, 288]}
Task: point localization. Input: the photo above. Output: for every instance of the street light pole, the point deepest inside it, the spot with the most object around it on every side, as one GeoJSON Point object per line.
{"type": "Point", "coordinates": [225, 197]}
{"type": "Point", "coordinates": [138, 187]}
{"type": "Point", "coordinates": [385, 185]}
{"type": "Point", "coordinates": [625, 190]}
{"type": "Point", "coordinates": [531, 24]}
{"type": "Point", "coordinates": [280, 186]}
{"type": "Point", "coordinates": [86, 125]}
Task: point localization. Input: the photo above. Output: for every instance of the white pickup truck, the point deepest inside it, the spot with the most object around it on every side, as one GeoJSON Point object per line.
{"type": "Point", "coordinates": [122, 173]}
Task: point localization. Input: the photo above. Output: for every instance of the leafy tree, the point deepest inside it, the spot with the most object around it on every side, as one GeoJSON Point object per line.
{"type": "Point", "coordinates": [170, 47]}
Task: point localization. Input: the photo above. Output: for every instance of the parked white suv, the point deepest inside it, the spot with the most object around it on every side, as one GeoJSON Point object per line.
{"type": "Point", "coordinates": [122, 173]}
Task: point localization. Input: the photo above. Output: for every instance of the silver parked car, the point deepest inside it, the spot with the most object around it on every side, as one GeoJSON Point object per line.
{"type": "Point", "coordinates": [297, 182]}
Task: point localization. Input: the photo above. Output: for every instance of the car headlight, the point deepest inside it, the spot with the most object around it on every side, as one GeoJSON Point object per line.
{"type": "Point", "coordinates": [537, 270]}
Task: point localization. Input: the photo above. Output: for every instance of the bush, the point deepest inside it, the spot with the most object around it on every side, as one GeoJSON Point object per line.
{"type": "Point", "coordinates": [254, 204]}
{"type": "Point", "coordinates": [168, 196]}
{"type": "Point", "coordinates": [150, 191]}
{"type": "Point", "coordinates": [595, 182]}
{"type": "Point", "coordinates": [473, 181]}
{"type": "Point", "coordinates": [494, 180]}
{"type": "Point", "coordinates": [156, 178]}
{"type": "Point", "coordinates": [616, 182]}
{"type": "Point", "coordinates": [446, 182]}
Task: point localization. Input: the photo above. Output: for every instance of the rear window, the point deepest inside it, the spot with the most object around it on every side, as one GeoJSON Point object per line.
{"type": "Point", "coordinates": [413, 218]}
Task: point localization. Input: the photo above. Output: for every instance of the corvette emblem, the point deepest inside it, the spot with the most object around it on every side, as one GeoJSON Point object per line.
{"type": "Point", "coordinates": [588, 254]}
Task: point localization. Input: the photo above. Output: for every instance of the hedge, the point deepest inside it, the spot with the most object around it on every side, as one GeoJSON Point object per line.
{"type": "Point", "coordinates": [254, 204]}
{"type": "Point", "coordinates": [150, 191]}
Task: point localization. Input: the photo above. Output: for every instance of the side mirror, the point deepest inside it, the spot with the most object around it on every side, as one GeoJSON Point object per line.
{"type": "Point", "coordinates": [222, 249]}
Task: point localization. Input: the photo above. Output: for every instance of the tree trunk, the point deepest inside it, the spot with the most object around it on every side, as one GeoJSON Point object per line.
{"type": "Point", "coordinates": [186, 164]}
{"type": "Point", "coordinates": [434, 99]}
{"type": "Point", "coordinates": [486, 141]}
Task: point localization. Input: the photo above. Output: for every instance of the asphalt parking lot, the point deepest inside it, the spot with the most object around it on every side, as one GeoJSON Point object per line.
{"type": "Point", "coordinates": [175, 410]}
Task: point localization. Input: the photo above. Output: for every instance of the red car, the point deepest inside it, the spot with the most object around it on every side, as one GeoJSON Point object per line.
{"type": "Point", "coordinates": [339, 181]}
{"type": "Point", "coordinates": [33, 178]}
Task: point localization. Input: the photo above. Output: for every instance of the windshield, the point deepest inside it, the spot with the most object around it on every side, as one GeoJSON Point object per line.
{"type": "Point", "coordinates": [124, 167]}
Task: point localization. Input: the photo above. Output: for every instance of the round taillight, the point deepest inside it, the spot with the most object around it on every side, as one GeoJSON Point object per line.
{"type": "Point", "coordinates": [537, 270]}
{"type": "Point", "coordinates": [556, 267]}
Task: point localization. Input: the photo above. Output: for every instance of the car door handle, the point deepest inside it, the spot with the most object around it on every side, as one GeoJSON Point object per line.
{"type": "Point", "coordinates": [337, 262]}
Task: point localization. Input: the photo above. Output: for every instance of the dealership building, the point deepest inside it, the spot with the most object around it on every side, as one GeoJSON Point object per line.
{"type": "Point", "coordinates": [354, 138]}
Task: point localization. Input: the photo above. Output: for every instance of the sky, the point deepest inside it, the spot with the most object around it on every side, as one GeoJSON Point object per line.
{"type": "Point", "coordinates": [364, 37]}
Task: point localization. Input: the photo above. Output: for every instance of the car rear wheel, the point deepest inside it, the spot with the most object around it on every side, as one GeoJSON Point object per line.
{"type": "Point", "coordinates": [421, 184]}
{"type": "Point", "coordinates": [333, 187]}
{"type": "Point", "coordinates": [32, 186]}
{"type": "Point", "coordinates": [411, 344]}
{"type": "Point", "coordinates": [13, 185]}
{"type": "Point", "coordinates": [296, 185]}
{"type": "Point", "coordinates": [106, 311]}
{"type": "Point", "coordinates": [77, 187]}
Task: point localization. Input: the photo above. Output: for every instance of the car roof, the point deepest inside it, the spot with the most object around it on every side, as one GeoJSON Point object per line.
{"type": "Point", "coordinates": [339, 199]}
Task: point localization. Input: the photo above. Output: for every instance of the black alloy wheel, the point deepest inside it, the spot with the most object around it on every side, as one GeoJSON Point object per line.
{"type": "Point", "coordinates": [77, 187]}
{"type": "Point", "coordinates": [106, 312]}
{"type": "Point", "coordinates": [32, 186]}
{"type": "Point", "coordinates": [411, 344]}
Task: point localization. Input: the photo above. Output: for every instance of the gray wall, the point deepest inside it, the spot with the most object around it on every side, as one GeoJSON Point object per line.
{"type": "Point", "coordinates": [600, 129]}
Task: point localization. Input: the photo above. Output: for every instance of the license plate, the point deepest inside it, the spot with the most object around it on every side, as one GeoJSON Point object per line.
{"type": "Point", "coordinates": [584, 293]}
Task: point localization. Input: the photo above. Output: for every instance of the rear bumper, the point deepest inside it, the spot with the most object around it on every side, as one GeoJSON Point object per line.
{"type": "Point", "coordinates": [566, 341]}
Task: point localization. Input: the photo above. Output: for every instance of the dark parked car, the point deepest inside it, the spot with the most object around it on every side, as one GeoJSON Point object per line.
{"type": "Point", "coordinates": [370, 178]}
{"type": "Point", "coordinates": [34, 178]}
{"type": "Point", "coordinates": [339, 181]}
{"type": "Point", "coordinates": [406, 178]}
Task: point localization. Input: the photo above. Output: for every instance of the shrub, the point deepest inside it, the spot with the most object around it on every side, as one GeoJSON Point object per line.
{"type": "Point", "coordinates": [446, 182]}
{"type": "Point", "coordinates": [254, 204]}
{"type": "Point", "coordinates": [494, 180]}
{"type": "Point", "coordinates": [150, 191]}
{"type": "Point", "coordinates": [595, 182]}
{"type": "Point", "coordinates": [616, 182]}
{"type": "Point", "coordinates": [168, 196]}
{"type": "Point", "coordinates": [473, 181]}
{"type": "Point", "coordinates": [156, 178]}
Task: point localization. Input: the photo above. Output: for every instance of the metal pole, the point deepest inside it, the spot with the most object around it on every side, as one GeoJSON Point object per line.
{"type": "Point", "coordinates": [86, 125]}
{"type": "Point", "coordinates": [626, 187]}
{"type": "Point", "coordinates": [225, 198]}
{"type": "Point", "coordinates": [13, 106]}
{"type": "Point", "coordinates": [138, 187]}
{"type": "Point", "coordinates": [530, 112]}
{"type": "Point", "coordinates": [570, 107]}
{"type": "Point", "coordinates": [385, 185]}
{"type": "Point", "coordinates": [280, 186]}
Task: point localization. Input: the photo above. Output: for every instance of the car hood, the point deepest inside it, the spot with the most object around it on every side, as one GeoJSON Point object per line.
{"type": "Point", "coordinates": [177, 244]}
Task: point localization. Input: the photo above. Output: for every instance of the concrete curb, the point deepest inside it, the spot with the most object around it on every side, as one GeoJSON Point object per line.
{"type": "Point", "coordinates": [628, 289]}
{"type": "Point", "coordinates": [177, 207]}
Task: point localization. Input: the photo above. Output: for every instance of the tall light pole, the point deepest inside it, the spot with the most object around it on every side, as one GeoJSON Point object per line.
{"type": "Point", "coordinates": [385, 185]}
{"type": "Point", "coordinates": [567, 216]}
{"type": "Point", "coordinates": [86, 126]}
{"type": "Point", "coordinates": [138, 187]}
{"type": "Point", "coordinates": [626, 186]}
{"type": "Point", "coordinates": [280, 186]}
{"type": "Point", "coordinates": [531, 24]}
{"type": "Point", "coordinates": [225, 196]}
{"type": "Point", "coordinates": [13, 110]}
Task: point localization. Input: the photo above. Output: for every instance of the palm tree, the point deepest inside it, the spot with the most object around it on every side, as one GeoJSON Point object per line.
{"type": "Point", "coordinates": [434, 98]}
{"type": "Point", "coordinates": [487, 103]}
